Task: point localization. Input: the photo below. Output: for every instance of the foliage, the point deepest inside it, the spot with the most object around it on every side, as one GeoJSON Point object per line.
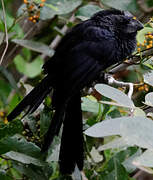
{"type": "Point", "coordinates": [118, 130]}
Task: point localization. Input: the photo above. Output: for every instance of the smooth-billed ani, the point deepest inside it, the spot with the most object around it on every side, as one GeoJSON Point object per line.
{"type": "Point", "coordinates": [108, 37]}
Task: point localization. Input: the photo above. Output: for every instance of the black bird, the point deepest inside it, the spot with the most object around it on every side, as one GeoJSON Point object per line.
{"type": "Point", "coordinates": [90, 47]}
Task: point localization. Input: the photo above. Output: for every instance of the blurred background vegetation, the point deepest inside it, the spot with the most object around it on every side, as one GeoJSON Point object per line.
{"type": "Point", "coordinates": [30, 30]}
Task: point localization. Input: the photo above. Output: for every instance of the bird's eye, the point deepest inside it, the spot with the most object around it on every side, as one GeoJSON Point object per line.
{"type": "Point", "coordinates": [134, 18]}
{"type": "Point", "coordinates": [125, 21]}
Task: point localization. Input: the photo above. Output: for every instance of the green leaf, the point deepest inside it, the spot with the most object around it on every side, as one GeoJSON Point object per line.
{"type": "Point", "coordinates": [129, 5]}
{"type": "Point", "coordinates": [62, 7]}
{"type": "Point", "coordinates": [29, 69]}
{"type": "Point", "coordinates": [90, 105]}
{"type": "Point", "coordinates": [4, 90]}
{"type": "Point", "coordinates": [149, 99]}
{"type": "Point", "coordinates": [128, 163]}
{"type": "Point", "coordinates": [118, 171]}
{"type": "Point", "coordinates": [45, 119]}
{"type": "Point", "coordinates": [19, 144]}
{"type": "Point", "coordinates": [9, 77]}
{"type": "Point", "coordinates": [148, 78]}
{"type": "Point", "coordinates": [25, 159]}
{"type": "Point", "coordinates": [146, 159]}
{"type": "Point", "coordinates": [141, 34]}
{"type": "Point", "coordinates": [31, 171]}
{"type": "Point", "coordinates": [1, 37]}
{"type": "Point", "coordinates": [87, 11]}
{"type": "Point", "coordinates": [13, 102]}
{"type": "Point", "coordinates": [116, 143]}
{"type": "Point", "coordinates": [139, 112]}
{"type": "Point", "coordinates": [11, 128]}
{"type": "Point", "coordinates": [35, 46]}
{"type": "Point", "coordinates": [137, 131]}
{"type": "Point", "coordinates": [122, 158]}
{"type": "Point", "coordinates": [115, 94]}
{"type": "Point", "coordinates": [4, 176]}
{"type": "Point", "coordinates": [105, 128]}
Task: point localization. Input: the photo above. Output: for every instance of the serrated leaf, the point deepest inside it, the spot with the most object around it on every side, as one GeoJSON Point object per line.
{"type": "Point", "coordinates": [105, 128]}
{"type": "Point", "coordinates": [115, 94]}
{"type": "Point", "coordinates": [25, 159]}
{"type": "Point", "coordinates": [35, 46]}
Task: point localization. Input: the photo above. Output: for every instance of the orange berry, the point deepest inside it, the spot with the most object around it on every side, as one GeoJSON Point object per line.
{"type": "Point", "coordinates": [150, 36]}
{"type": "Point", "coordinates": [138, 44]}
{"type": "Point", "coordinates": [31, 7]}
{"type": "Point", "coordinates": [144, 41]}
{"type": "Point", "coordinates": [138, 49]}
{"type": "Point", "coordinates": [34, 21]}
{"type": "Point", "coordinates": [150, 42]}
{"type": "Point", "coordinates": [142, 44]}
{"type": "Point", "coordinates": [25, 1]}
{"type": "Point", "coordinates": [150, 45]}
{"type": "Point", "coordinates": [43, 0]}
{"type": "Point", "coordinates": [141, 88]}
{"type": "Point", "coordinates": [146, 87]}
{"type": "Point", "coordinates": [149, 32]}
{"type": "Point", "coordinates": [30, 18]}
{"type": "Point", "coordinates": [147, 47]}
{"type": "Point", "coordinates": [41, 5]}
{"type": "Point", "coordinates": [1, 114]}
{"type": "Point", "coordinates": [35, 16]}
{"type": "Point", "coordinates": [146, 36]}
{"type": "Point", "coordinates": [5, 121]}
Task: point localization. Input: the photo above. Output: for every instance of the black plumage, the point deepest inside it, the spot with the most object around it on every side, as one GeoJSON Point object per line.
{"type": "Point", "coordinates": [90, 47]}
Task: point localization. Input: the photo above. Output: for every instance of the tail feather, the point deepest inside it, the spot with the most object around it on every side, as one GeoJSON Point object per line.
{"type": "Point", "coordinates": [71, 151]}
{"type": "Point", "coordinates": [32, 100]}
{"type": "Point", "coordinates": [54, 127]}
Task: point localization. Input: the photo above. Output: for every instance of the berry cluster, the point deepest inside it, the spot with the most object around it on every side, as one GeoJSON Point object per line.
{"type": "Point", "coordinates": [143, 87]}
{"type": "Point", "coordinates": [33, 9]}
{"type": "Point", "coordinates": [3, 117]}
{"type": "Point", "coordinates": [148, 42]}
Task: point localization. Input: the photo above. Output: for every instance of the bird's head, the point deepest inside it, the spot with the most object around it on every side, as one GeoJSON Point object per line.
{"type": "Point", "coordinates": [122, 22]}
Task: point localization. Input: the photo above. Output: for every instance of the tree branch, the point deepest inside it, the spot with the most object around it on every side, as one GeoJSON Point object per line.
{"type": "Point", "coordinates": [6, 33]}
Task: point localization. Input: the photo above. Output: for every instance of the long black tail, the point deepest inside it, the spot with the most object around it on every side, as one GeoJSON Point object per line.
{"type": "Point", "coordinates": [71, 151]}
{"type": "Point", "coordinates": [33, 99]}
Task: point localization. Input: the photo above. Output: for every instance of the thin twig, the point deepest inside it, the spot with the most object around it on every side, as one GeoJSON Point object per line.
{"type": "Point", "coordinates": [58, 38]}
{"type": "Point", "coordinates": [113, 81]}
{"type": "Point", "coordinates": [132, 60]}
{"type": "Point", "coordinates": [6, 33]}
